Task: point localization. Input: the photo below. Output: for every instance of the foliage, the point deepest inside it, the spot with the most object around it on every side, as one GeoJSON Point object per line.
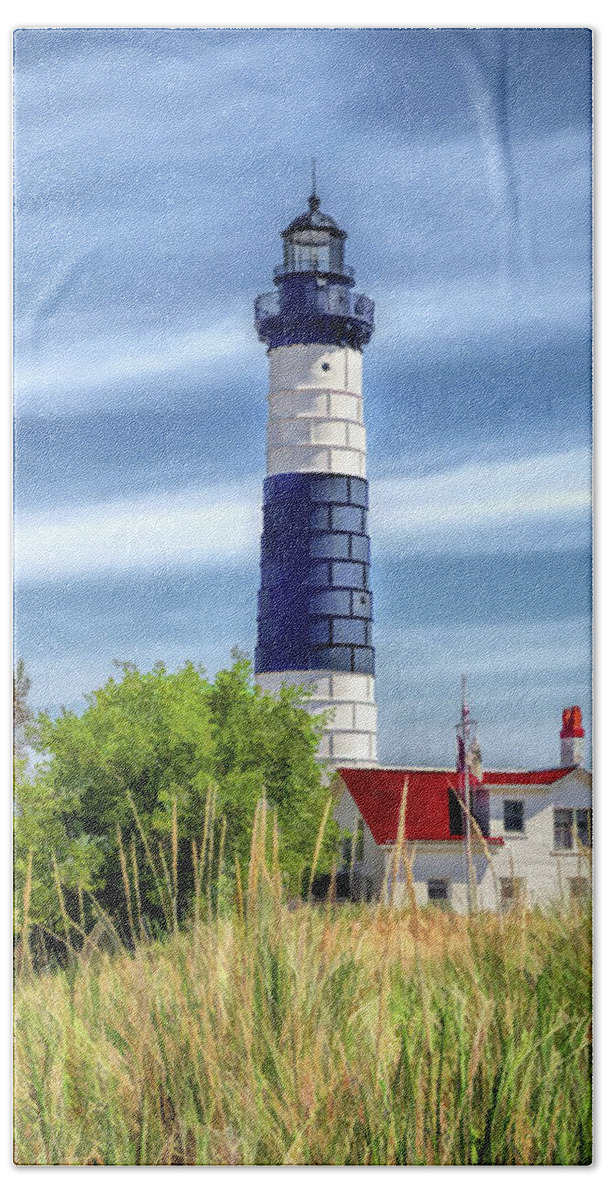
{"type": "Point", "coordinates": [22, 713]}
{"type": "Point", "coordinates": [262, 1030]}
{"type": "Point", "coordinates": [45, 855]}
{"type": "Point", "coordinates": [138, 770]}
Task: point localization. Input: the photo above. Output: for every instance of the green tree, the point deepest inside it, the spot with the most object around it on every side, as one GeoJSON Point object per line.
{"type": "Point", "coordinates": [268, 743]}
{"type": "Point", "coordinates": [22, 713]}
{"type": "Point", "coordinates": [141, 761]}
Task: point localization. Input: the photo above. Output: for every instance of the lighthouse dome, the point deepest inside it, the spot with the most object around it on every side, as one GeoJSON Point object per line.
{"type": "Point", "coordinates": [314, 219]}
{"type": "Point", "coordinates": [314, 242]}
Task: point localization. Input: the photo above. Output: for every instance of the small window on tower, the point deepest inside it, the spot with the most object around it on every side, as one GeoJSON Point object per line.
{"type": "Point", "coordinates": [325, 366]}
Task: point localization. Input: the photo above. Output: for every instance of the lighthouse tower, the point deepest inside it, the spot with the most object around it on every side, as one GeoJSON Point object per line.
{"type": "Point", "coordinates": [315, 600]}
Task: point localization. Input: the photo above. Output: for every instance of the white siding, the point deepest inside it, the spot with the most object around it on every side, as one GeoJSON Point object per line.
{"type": "Point", "coordinates": [528, 858]}
{"type": "Point", "coordinates": [531, 855]}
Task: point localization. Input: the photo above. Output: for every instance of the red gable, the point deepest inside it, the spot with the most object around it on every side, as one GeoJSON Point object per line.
{"type": "Point", "coordinates": [378, 793]}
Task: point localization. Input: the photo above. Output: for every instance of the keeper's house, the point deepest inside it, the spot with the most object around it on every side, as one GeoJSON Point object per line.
{"type": "Point", "coordinates": [530, 839]}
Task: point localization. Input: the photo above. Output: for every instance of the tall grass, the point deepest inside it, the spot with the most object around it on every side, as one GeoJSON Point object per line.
{"type": "Point", "coordinates": [311, 1035]}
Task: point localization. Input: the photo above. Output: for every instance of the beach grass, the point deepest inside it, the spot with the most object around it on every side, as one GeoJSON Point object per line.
{"type": "Point", "coordinates": [274, 1033]}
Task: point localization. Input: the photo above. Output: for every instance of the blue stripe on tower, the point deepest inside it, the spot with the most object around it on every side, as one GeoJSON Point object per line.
{"type": "Point", "coordinates": [315, 602]}
{"type": "Point", "coordinates": [306, 310]}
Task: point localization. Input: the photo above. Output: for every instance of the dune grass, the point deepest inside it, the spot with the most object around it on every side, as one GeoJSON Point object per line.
{"type": "Point", "coordinates": [333, 1034]}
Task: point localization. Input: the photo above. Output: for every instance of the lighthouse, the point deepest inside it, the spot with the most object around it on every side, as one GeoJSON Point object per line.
{"type": "Point", "coordinates": [315, 601]}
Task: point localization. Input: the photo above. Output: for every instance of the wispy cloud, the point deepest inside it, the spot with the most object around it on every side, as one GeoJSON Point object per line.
{"type": "Point", "coordinates": [477, 508]}
{"type": "Point", "coordinates": [63, 375]}
{"type": "Point", "coordinates": [491, 651]}
{"type": "Point", "coordinates": [486, 506]}
{"type": "Point", "coordinates": [520, 675]}
{"type": "Point", "coordinates": [441, 319]}
{"type": "Point", "coordinates": [147, 532]}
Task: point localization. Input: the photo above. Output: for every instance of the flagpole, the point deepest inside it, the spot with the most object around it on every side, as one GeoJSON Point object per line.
{"type": "Point", "coordinates": [465, 725]}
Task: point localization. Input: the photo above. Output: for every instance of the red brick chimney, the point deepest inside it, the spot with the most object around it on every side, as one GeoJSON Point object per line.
{"type": "Point", "coordinates": [572, 738]}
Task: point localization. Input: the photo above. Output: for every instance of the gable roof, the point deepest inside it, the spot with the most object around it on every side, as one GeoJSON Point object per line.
{"type": "Point", "coordinates": [377, 794]}
{"type": "Point", "coordinates": [378, 791]}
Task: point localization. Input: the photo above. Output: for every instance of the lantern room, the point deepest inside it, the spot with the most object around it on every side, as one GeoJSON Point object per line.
{"type": "Point", "coordinates": [313, 243]}
{"type": "Point", "coordinates": [314, 301]}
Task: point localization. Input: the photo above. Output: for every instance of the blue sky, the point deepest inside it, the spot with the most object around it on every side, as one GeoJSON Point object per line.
{"type": "Point", "coordinates": [154, 170]}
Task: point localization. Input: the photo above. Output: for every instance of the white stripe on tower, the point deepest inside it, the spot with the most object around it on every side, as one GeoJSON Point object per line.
{"type": "Point", "coordinates": [315, 411]}
{"type": "Point", "coordinates": [350, 698]}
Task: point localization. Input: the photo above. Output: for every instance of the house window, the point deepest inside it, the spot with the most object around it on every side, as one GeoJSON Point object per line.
{"type": "Point", "coordinates": [562, 828]}
{"type": "Point", "coordinates": [514, 816]}
{"type": "Point", "coordinates": [579, 890]}
{"type": "Point", "coordinates": [437, 890]}
{"type": "Point", "coordinates": [511, 892]}
{"type": "Point", "coordinates": [566, 823]}
{"type": "Point", "coordinates": [583, 826]}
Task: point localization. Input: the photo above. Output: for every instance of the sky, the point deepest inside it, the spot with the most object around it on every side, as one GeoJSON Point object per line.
{"type": "Point", "coordinates": [154, 170]}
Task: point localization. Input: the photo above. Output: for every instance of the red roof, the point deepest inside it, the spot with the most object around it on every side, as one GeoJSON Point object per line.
{"type": "Point", "coordinates": [378, 792]}
{"type": "Point", "coordinates": [529, 777]}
